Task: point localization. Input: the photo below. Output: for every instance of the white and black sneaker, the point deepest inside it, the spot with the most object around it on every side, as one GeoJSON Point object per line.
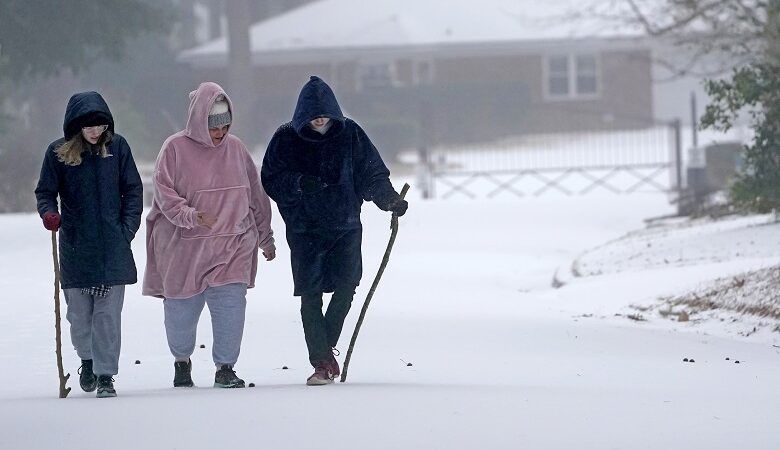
{"type": "Point", "coordinates": [105, 386]}
{"type": "Point", "coordinates": [87, 378]}
{"type": "Point", "coordinates": [183, 374]}
{"type": "Point", "coordinates": [226, 378]}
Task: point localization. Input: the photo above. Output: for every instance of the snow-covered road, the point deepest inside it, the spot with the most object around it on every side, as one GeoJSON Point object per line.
{"type": "Point", "coordinates": [499, 360]}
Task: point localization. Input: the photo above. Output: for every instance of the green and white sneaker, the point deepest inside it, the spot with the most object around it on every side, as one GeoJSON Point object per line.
{"type": "Point", "coordinates": [226, 378]}
{"type": "Point", "coordinates": [105, 386]}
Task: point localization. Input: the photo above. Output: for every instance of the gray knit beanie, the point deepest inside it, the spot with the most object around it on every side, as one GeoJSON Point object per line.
{"type": "Point", "coordinates": [219, 115]}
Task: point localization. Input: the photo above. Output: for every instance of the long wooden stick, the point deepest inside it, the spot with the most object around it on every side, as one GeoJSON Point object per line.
{"type": "Point", "coordinates": [58, 330]}
{"type": "Point", "coordinates": [393, 233]}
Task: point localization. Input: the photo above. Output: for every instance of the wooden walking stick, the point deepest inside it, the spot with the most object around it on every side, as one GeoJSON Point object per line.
{"type": "Point", "coordinates": [393, 233]}
{"type": "Point", "coordinates": [63, 378]}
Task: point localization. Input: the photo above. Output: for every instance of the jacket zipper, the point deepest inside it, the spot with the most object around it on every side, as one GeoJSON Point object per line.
{"type": "Point", "coordinates": [96, 172]}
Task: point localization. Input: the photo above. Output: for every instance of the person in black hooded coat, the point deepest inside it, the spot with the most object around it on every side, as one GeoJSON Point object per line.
{"type": "Point", "coordinates": [93, 173]}
{"type": "Point", "coordinates": [319, 168]}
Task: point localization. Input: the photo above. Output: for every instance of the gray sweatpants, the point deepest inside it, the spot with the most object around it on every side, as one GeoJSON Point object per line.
{"type": "Point", "coordinates": [96, 327]}
{"type": "Point", "coordinates": [227, 305]}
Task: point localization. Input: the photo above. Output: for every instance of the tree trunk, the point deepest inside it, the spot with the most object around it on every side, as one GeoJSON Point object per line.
{"type": "Point", "coordinates": [215, 7]}
{"type": "Point", "coordinates": [772, 32]}
{"type": "Point", "coordinates": [239, 60]}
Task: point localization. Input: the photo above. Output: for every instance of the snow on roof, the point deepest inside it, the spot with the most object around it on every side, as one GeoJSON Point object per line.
{"type": "Point", "coordinates": [328, 25]}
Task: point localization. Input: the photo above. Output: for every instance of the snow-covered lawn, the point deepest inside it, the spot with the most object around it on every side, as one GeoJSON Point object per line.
{"type": "Point", "coordinates": [499, 359]}
{"type": "Point", "coordinates": [725, 271]}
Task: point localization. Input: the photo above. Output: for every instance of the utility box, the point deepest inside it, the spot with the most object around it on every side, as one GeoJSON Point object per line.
{"type": "Point", "coordinates": [722, 162]}
{"type": "Point", "coordinates": [710, 170]}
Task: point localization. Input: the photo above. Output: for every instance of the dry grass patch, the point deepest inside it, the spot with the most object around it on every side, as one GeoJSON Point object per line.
{"type": "Point", "coordinates": [755, 294]}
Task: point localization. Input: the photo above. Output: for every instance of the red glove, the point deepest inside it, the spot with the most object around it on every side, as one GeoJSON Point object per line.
{"type": "Point", "coordinates": [51, 221]}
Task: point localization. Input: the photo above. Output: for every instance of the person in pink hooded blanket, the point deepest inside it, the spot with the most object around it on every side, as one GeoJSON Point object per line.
{"type": "Point", "coordinates": [209, 217]}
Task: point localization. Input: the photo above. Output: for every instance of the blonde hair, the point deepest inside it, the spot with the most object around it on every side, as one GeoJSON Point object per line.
{"type": "Point", "coordinates": [69, 153]}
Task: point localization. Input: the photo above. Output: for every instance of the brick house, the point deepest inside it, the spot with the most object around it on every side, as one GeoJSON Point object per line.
{"type": "Point", "coordinates": [427, 71]}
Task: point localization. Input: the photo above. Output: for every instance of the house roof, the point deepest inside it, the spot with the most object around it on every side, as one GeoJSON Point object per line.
{"type": "Point", "coordinates": [329, 29]}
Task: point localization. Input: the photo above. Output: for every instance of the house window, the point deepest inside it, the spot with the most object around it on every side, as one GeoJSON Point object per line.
{"type": "Point", "coordinates": [572, 76]}
{"type": "Point", "coordinates": [558, 76]}
{"type": "Point", "coordinates": [376, 75]}
{"type": "Point", "coordinates": [586, 75]}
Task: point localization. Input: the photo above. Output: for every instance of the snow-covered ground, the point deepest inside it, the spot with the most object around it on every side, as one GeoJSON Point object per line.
{"type": "Point", "coordinates": [721, 275]}
{"type": "Point", "coordinates": [499, 359]}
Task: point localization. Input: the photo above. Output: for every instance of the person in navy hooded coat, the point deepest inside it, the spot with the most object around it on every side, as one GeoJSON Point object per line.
{"type": "Point", "coordinates": [319, 168]}
{"type": "Point", "coordinates": [92, 172]}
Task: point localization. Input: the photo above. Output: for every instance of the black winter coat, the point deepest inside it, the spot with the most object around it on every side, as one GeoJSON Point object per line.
{"type": "Point", "coordinates": [101, 201]}
{"type": "Point", "coordinates": [344, 159]}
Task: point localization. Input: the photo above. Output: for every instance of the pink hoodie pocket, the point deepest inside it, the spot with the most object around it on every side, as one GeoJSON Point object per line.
{"type": "Point", "coordinates": [231, 207]}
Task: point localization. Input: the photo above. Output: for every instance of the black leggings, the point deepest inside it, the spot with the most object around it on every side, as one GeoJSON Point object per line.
{"type": "Point", "coordinates": [322, 331]}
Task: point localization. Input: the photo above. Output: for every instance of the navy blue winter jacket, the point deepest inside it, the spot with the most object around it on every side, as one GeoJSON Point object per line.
{"type": "Point", "coordinates": [344, 159]}
{"type": "Point", "coordinates": [101, 201]}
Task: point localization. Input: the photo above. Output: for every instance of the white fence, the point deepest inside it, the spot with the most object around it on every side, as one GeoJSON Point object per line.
{"type": "Point", "coordinates": [569, 163]}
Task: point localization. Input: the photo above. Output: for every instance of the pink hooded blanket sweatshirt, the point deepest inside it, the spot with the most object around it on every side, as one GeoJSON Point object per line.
{"type": "Point", "coordinates": [191, 175]}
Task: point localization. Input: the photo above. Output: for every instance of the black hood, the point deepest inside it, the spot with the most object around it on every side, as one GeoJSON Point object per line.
{"type": "Point", "coordinates": [317, 100]}
{"type": "Point", "coordinates": [86, 109]}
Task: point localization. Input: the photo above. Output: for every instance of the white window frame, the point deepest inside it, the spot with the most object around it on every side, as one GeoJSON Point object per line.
{"type": "Point", "coordinates": [572, 74]}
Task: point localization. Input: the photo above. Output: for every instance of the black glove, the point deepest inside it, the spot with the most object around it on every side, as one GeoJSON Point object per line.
{"type": "Point", "coordinates": [398, 206]}
{"type": "Point", "coordinates": [309, 183]}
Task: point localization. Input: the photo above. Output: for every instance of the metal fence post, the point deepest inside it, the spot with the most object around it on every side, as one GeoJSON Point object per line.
{"type": "Point", "coordinates": [678, 166]}
{"type": "Point", "coordinates": [677, 124]}
{"type": "Point", "coordinates": [424, 172]}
